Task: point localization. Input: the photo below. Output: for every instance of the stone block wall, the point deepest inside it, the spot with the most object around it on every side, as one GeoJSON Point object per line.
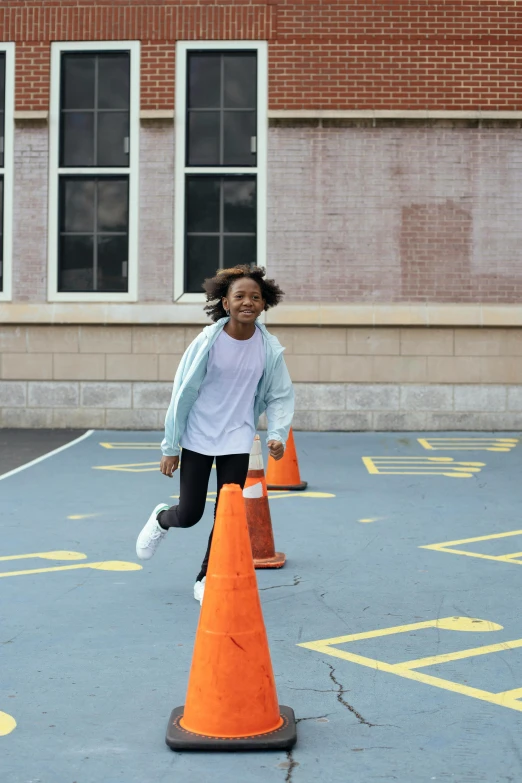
{"type": "Point", "coordinates": [346, 378]}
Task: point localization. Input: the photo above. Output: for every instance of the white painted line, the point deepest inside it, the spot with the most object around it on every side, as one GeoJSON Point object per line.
{"type": "Point", "coordinates": [45, 456]}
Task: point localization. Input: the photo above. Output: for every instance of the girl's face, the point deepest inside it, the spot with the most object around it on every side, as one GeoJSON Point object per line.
{"type": "Point", "coordinates": [244, 300]}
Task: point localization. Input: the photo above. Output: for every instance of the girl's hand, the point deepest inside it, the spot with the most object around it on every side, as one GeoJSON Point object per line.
{"type": "Point", "coordinates": [168, 465]}
{"type": "Point", "coordinates": [276, 449]}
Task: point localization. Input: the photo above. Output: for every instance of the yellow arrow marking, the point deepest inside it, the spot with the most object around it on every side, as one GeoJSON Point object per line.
{"type": "Point", "coordinates": [58, 554]}
{"type": "Point", "coordinates": [106, 565]}
{"type": "Point", "coordinates": [7, 724]}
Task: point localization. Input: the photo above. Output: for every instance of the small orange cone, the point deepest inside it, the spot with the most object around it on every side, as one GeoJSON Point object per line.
{"type": "Point", "coordinates": [231, 699]}
{"type": "Point", "coordinates": [258, 513]}
{"type": "Point", "coordinates": [284, 473]}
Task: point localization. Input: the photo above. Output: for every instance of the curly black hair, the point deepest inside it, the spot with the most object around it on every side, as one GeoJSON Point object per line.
{"type": "Point", "coordinates": [217, 287]}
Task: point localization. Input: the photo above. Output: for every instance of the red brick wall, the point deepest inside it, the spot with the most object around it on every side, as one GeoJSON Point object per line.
{"type": "Point", "coordinates": [461, 54]}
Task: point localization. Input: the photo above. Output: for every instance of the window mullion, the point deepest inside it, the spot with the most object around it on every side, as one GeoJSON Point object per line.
{"type": "Point", "coordinates": [95, 121]}
{"type": "Point", "coordinates": [95, 239]}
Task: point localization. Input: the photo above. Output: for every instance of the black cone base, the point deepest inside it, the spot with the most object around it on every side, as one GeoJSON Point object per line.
{"type": "Point", "coordinates": [284, 738]}
{"type": "Point", "coordinates": [289, 487]}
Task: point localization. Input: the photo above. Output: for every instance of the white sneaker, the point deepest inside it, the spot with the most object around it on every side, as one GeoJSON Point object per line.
{"type": "Point", "coordinates": [199, 590]}
{"type": "Point", "coordinates": [152, 535]}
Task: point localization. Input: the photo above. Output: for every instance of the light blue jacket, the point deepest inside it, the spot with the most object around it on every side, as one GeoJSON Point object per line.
{"type": "Point", "coordinates": [275, 393]}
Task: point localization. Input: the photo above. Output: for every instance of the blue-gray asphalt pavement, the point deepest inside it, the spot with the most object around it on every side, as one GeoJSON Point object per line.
{"type": "Point", "coordinates": [92, 662]}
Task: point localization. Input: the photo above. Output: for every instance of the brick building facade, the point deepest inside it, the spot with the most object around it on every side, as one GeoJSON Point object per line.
{"type": "Point", "coordinates": [367, 153]}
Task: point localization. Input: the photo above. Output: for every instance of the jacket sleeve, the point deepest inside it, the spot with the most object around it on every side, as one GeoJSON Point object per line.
{"type": "Point", "coordinates": [280, 403]}
{"type": "Point", "coordinates": [169, 445]}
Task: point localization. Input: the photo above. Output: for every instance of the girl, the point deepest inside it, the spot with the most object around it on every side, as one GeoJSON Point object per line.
{"type": "Point", "coordinates": [229, 375]}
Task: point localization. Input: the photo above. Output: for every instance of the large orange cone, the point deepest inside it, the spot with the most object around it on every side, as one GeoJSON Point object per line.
{"type": "Point", "coordinates": [258, 513]}
{"type": "Point", "coordinates": [231, 699]}
{"type": "Point", "coordinates": [284, 473]}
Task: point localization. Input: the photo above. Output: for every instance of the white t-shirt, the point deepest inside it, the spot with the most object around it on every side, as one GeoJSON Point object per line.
{"type": "Point", "coordinates": [221, 420]}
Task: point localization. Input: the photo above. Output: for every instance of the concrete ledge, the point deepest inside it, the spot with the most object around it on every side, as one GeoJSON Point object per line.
{"type": "Point", "coordinates": [157, 114]}
{"type": "Point", "coordinates": [33, 116]}
{"type": "Point", "coordinates": [407, 114]}
{"type": "Point", "coordinates": [291, 314]}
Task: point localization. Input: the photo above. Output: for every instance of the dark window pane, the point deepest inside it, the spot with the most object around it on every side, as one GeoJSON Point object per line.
{"type": "Point", "coordinates": [239, 205]}
{"type": "Point", "coordinates": [204, 80]}
{"type": "Point", "coordinates": [203, 139]}
{"type": "Point", "coordinates": [2, 81]}
{"type": "Point", "coordinates": [112, 263]}
{"type": "Point", "coordinates": [78, 81]}
{"type": "Point", "coordinates": [239, 127]}
{"type": "Point", "coordinates": [2, 134]}
{"type": "Point", "coordinates": [113, 205]}
{"type": "Point", "coordinates": [76, 263]}
{"type": "Point", "coordinates": [239, 250]}
{"type": "Point", "coordinates": [1, 233]}
{"type": "Point", "coordinates": [240, 81]}
{"type": "Point", "coordinates": [202, 204]}
{"type": "Point", "coordinates": [77, 205]}
{"type": "Point", "coordinates": [77, 148]}
{"type": "Point", "coordinates": [113, 81]}
{"type": "Point", "coordinates": [113, 129]}
{"type": "Point", "coordinates": [202, 261]}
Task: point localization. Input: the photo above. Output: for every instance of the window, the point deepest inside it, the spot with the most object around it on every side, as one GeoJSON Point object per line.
{"type": "Point", "coordinates": [94, 172]}
{"type": "Point", "coordinates": [6, 165]}
{"type": "Point", "coordinates": [220, 161]}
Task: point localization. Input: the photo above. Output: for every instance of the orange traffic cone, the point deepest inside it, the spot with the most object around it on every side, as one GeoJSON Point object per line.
{"type": "Point", "coordinates": [258, 513]}
{"type": "Point", "coordinates": [231, 699]}
{"type": "Point", "coordinates": [284, 474]}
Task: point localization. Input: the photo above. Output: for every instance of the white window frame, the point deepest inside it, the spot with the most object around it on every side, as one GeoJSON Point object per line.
{"type": "Point", "coordinates": [7, 171]}
{"type": "Point", "coordinates": [132, 170]}
{"type": "Point", "coordinates": [181, 170]}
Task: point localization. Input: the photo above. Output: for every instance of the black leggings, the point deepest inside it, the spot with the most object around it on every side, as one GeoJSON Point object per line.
{"type": "Point", "coordinates": [194, 476]}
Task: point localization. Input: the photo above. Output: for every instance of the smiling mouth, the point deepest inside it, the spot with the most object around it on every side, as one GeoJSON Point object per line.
{"type": "Point", "coordinates": [247, 312]}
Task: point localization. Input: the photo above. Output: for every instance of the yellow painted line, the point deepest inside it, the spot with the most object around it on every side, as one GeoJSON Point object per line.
{"type": "Point", "coordinates": [433, 660]}
{"type": "Point", "coordinates": [370, 519]}
{"type": "Point", "coordinates": [83, 516]}
{"type": "Point", "coordinates": [7, 724]}
{"type": "Point", "coordinates": [468, 444]}
{"type": "Point", "coordinates": [136, 467]}
{"type": "Point", "coordinates": [416, 466]}
{"type": "Point", "coordinates": [405, 669]}
{"type": "Point", "coordinates": [448, 546]}
{"type": "Point", "coordinates": [55, 555]}
{"type": "Point", "coordinates": [131, 445]}
{"type": "Point", "coordinates": [515, 693]}
{"type": "Point", "coordinates": [106, 565]}
{"type": "Point", "coordinates": [473, 540]}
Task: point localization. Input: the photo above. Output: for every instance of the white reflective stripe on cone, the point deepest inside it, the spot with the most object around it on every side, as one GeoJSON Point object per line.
{"type": "Point", "coordinates": [255, 491]}
{"type": "Point", "coordinates": [256, 456]}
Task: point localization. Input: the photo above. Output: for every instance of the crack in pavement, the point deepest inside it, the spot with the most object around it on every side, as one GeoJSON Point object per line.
{"type": "Point", "coordinates": [340, 693]}
{"type": "Point", "coordinates": [297, 580]}
{"type": "Point", "coordinates": [292, 764]}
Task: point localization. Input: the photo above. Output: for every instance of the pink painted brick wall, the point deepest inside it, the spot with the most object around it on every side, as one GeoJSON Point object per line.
{"type": "Point", "coordinates": [31, 171]}
{"type": "Point", "coordinates": [390, 214]}
{"type": "Point", "coordinates": [355, 214]}
{"type": "Point", "coordinates": [156, 212]}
